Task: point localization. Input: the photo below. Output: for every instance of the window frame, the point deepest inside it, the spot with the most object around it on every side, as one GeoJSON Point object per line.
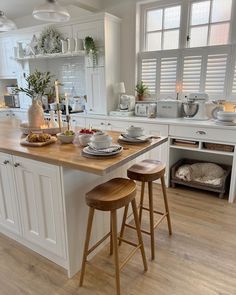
{"type": "Point", "coordinates": [189, 26]}
{"type": "Point", "coordinates": [143, 22]}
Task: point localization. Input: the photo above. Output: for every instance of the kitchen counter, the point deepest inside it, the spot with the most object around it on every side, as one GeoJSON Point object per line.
{"type": "Point", "coordinates": [69, 155]}
{"type": "Point", "coordinates": [42, 193]}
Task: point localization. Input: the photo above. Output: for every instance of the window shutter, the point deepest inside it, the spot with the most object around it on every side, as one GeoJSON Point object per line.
{"type": "Point", "coordinates": [216, 73]}
{"type": "Point", "coordinates": [192, 67]}
{"type": "Point", "coordinates": [149, 73]}
{"type": "Point", "coordinates": [168, 75]}
{"type": "Point", "coordinates": [234, 82]}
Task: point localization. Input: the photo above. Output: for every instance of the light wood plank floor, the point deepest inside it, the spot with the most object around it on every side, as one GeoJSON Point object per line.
{"type": "Point", "coordinates": [199, 259]}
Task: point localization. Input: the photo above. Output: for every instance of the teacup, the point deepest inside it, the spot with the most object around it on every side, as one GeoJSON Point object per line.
{"type": "Point", "coordinates": [133, 131]}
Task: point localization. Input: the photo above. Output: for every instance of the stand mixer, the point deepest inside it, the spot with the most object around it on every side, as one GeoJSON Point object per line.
{"type": "Point", "coordinates": [195, 108]}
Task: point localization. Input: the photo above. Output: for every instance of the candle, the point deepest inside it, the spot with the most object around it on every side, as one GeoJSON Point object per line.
{"type": "Point", "coordinates": [67, 104]}
{"type": "Point", "coordinates": [57, 90]}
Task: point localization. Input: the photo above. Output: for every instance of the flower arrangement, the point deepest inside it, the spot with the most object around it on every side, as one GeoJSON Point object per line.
{"type": "Point", "coordinates": [50, 41]}
{"type": "Point", "coordinates": [38, 84]}
{"type": "Point", "coordinates": [91, 48]}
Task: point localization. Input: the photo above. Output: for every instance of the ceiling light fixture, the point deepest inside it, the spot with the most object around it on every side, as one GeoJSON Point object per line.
{"type": "Point", "coordinates": [51, 11]}
{"type": "Point", "coordinates": [5, 23]}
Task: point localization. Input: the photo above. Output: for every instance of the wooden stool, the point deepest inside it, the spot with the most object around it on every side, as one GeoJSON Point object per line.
{"type": "Point", "coordinates": [110, 196]}
{"type": "Point", "coordinates": [148, 171]}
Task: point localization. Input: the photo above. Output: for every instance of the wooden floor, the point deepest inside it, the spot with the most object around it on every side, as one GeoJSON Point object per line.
{"type": "Point", "coordinates": [199, 259]}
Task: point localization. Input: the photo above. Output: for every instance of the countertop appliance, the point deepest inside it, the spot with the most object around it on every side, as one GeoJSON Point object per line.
{"type": "Point", "coordinates": [195, 106]}
{"type": "Point", "coordinates": [12, 100]}
{"type": "Point", "coordinates": [169, 108]}
{"type": "Point", "coordinates": [145, 109]}
{"type": "Point", "coordinates": [127, 102]}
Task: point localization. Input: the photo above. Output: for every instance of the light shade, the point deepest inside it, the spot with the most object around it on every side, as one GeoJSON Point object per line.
{"type": "Point", "coordinates": [51, 11]}
{"type": "Point", "coordinates": [6, 24]}
{"type": "Point", "coordinates": [120, 87]}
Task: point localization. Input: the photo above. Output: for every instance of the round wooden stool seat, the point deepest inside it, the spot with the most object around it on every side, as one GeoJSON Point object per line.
{"type": "Point", "coordinates": [146, 170]}
{"type": "Point", "coordinates": [114, 194]}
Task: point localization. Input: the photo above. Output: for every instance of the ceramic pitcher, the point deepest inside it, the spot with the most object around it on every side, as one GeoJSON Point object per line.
{"type": "Point", "coordinates": [35, 114]}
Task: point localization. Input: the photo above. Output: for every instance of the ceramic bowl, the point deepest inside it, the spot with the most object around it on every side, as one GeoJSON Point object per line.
{"type": "Point", "coordinates": [226, 116]}
{"type": "Point", "coordinates": [83, 139]}
{"type": "Point", "coordinates": [65, 138]}
{"type": "Point", "coordinates": [133, 131]}
{"type": "Point", "coordinates": [101, 141]}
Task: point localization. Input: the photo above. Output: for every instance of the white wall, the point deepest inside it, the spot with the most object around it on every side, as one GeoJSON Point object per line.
{"type": "Point", "coordinates": [126, 10]}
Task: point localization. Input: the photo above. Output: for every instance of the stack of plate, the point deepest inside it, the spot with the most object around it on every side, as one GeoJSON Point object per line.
{"type": "Point", "coordinates": [130, 139]}
{"type": "Point", "coordinates": [226, 118]}
{"type": "Point", "coordinates": [112, 150]}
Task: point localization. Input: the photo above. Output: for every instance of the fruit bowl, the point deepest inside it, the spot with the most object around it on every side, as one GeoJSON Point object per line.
{"type": "Point", "coordinates": [66, 137]}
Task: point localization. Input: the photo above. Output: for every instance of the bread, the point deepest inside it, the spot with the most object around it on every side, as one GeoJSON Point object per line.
{"type": "Point", "coordinates": [38, 137]}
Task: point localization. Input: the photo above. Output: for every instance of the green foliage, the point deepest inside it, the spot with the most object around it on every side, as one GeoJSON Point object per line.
{"type": "Point", "coordinates": [38, 84]}
{"type": "Point", "coordinates": [141, 88]}
{"type": "Point", "coordinates": [49, 41]}
{"type": "Point", "coordinates": [91, 48]}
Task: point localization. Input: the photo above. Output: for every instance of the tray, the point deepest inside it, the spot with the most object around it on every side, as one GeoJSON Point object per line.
{"type": "Point", "coordinates": [37, 144]}
{"type": "Point", "coordinates": [25, 129]}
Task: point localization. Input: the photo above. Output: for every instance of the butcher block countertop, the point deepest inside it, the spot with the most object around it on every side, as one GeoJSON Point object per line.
{"type": "Point", "coordinates": [69, 155]}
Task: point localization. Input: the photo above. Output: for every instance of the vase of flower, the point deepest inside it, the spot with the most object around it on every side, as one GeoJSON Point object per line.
{"type": "Point", "coordinates": [35, 114]}
{"type": "Point", "coordinates": [38, 85]}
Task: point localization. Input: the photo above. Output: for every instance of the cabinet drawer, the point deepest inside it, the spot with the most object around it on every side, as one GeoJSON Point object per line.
{"type": "Point", "coordinates": [219, 135]}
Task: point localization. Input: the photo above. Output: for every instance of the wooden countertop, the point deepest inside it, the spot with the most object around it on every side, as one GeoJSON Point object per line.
{"type": "Point", "coordinates": [69, 155]}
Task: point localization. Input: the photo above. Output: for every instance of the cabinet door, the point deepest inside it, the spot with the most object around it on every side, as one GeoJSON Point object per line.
{"type": "Point", "coordinates": [97, 123]}
{"type": "Point", "coordinates": [20, 115]}
{"type": "Point", "coordinates": [41, 206]}
{"type": "Point", "coordinates": [8, 63]}
{"type": "Point", "coordinates": [78, 122]}
{"type": "Point", "coordinates": [95, 89]}
{"type": "Point", "coordinates": [9, 218]}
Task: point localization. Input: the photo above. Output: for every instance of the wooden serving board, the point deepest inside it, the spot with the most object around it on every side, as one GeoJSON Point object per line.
{"type": "Point", "coordinates": [24, 141]}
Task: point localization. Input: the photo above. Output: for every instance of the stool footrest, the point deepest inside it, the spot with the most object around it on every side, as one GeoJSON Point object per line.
{"type": "Point", "coordinates": [127, 259]}
{"type": "Point", "coordinates": [127, 242]}
{"type": "Point", "coordinates": [155, 211]}
{"type": "Point", "coordinates": [133, 227]}
{"type": "Point", "coordinates": [99, 243]}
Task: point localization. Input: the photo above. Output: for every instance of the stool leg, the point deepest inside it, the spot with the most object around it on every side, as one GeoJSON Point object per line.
{"type": "Point", "coordinates": [141, 202]}
{"type": "Point", "coordinates": [111, 239]}
{"type": "Point", "coordinates": [115, 248]}
{"type": "Point", "coordinates": [86, 244]}
{"type": "Point", "coordinates": [123, 223]}
{"type": "Point", "coordinates": [166, 204]}
{"type": "Point", "coordinates": [151, 216]}
{"type": "Point", "coordinates": [138, 229]}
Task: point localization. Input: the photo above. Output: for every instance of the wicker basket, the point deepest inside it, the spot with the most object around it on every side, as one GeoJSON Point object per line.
{"type": "Point", "coordinates": [219, 147]}
{"type": "Point", "coordinates": [221, 189]}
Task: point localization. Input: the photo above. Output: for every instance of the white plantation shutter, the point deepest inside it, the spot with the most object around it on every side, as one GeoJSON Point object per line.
{"type": "Point", "coordinates": [168, 75]}
{"type": "Point", "coordinates": [234, 82]}
{"type": "Point", "coordinates": [149, 73]}
{"type": "Point", "coordinates": [192, 67]}
{"type": "Point", "coordinates": [216, 74]}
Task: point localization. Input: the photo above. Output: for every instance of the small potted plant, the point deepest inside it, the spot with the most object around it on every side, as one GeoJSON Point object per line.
{"type": "Point", "coordinates": [141, 90]}
{"type": "Point", "coordinates": [38, 84]}
{"type": "Point", "coordinates": [91, 49]}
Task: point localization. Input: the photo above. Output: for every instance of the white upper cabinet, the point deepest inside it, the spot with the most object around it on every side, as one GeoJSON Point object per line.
{"type": "Point", "coordinates": [8, 65]}
{"type": "Point", "coordinates": [9, 217]}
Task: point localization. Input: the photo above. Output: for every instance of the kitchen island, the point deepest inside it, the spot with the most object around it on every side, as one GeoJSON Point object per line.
{"type": "Point", "coordinates": [42, 193]}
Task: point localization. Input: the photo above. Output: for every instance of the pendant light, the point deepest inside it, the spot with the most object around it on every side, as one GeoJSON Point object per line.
{"type": "Point", "coordinates": [5, 23]}
{"type": "Point", "coordinates": [51, 11]}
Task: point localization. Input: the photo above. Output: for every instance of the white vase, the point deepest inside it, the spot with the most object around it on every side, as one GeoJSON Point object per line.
{"type": "Point", "coordinates": [52, 123]}
{"type": "Point", "coordinates": [35, 114]}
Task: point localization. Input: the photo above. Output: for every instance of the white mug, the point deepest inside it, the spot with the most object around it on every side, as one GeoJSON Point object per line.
{"type": "Point", "coordinates": [64, 46]}
{"type": "Point", "coordinates": [71, 44]}
{"type": "Point", "coordinates": [78, 44]}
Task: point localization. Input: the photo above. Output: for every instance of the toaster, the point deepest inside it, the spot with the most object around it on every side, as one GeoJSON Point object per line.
{"type": "Point", "coordinates": [145, 109]}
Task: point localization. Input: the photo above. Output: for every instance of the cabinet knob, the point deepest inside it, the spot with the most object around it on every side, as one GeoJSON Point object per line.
{"type": "Point", "coordinates": [109, 124]}
{"type": "Point", "coordinates": [16, 164]}
{"type": "Point", "coordinates": [102, 123]}
{"type": "Point", "coordinates": [6, 162]}
{"type": "Point", "coordinates": [201, 132]}
{"type": "Point", "coordinates": [7, 115]}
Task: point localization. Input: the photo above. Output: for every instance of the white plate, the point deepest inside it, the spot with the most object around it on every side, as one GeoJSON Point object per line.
{"type": "Point", "coordinates": [140, 139]}
{"type": "Point", "coordinates": [90, 151]}
{"type": "Point", "coordinates": [225, 123]}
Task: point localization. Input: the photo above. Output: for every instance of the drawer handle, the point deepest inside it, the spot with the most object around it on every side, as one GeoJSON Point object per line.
{"type": "Point", "coordinates": [201, 132]}
{"type": "Point", "coordinates": [6, 162]}
{"type": "Point", "coordinates": [16, 164]}
{"type": "Point", "coordinates": [102, 123]}
{"type": "Point", "coordinates": [109, 124]}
